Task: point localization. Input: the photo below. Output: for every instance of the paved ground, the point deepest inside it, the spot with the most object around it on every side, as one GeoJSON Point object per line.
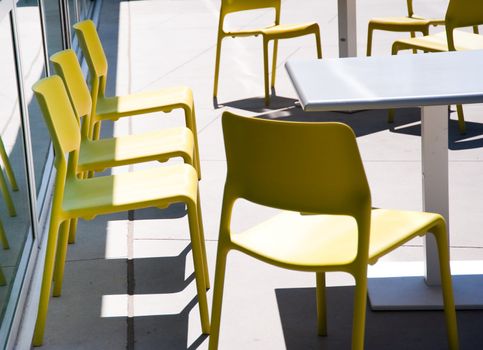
{"type": "Point", "coordinates": [129, 278]}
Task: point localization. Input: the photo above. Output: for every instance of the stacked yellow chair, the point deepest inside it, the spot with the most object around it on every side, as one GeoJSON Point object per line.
{"type": "Point", "coordinates": [3, 183]}
{"type": "Point", "coordinates": [410, 23]}
{"type": "Point", "coordinates": [97, 155]}
{"type": "Point", "coordinates": [460, 13]}
{"type": "Point", "coordinates": [115, 107]}
{"type": "Point", "coordinates": [317, 169]}
{"type": "Point", "coordinates": [87, 198]}
{"type": "Point", "coordinates": [275, 32]}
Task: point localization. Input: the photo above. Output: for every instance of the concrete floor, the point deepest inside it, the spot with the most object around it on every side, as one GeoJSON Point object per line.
{"type": "Point", "coordinates": [129, 278]}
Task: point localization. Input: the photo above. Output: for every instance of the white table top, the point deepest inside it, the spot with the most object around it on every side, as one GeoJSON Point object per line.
{"type": "Point", "coordinates": [388, 81]}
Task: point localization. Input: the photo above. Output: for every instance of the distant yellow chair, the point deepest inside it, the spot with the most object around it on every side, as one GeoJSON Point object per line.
{"type": "Point", "coordinates": [317, 169]}
{"type": "Point", "coordinates": [460, 13]}
{"type": "Point", "coordinates": [11, 178]}
{"type": "Point", "coordinates": [115, 107]}
{"type": "Point", "coordinates": [3, 280]}
{"type": "Point", "coordinates": [275, 32]}
{"type": "Point", "coordinates": [87, 198]}
{"type": "Point", "coordinates": [410, 23]}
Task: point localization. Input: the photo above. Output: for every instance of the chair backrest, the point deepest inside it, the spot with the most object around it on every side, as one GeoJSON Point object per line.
{"type": "Point", "coordinates": [231, 6]}
{"type": "Point", "coordinates": [58, 114]}
{"type": "Point", "coordinates": [462, 13]}
{"type": "Point", "coordinates": [91, 46]}
{"type": "Point", "coordinates": [306, 167]}
{"type": "Point", "coordinates": [68, 68]}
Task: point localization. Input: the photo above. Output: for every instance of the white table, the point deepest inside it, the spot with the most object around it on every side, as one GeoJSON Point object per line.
{"type": "Point", "coordinates": [432, 82]}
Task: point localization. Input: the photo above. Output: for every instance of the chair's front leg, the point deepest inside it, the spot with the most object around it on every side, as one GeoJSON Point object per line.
{"type": "Point", "coordinates": [198, 266]}
{"type": "Point", "coordinates": [220, 269]}
{"type": "Point", "coordinates": [360, 301]}
{"type": "Point", "coordinates": [61, 257]}
{"type": "Point", "coordinates": [46, 281]}
{"type": "Point", "coordinates": [217, 65]}
{"type": "Point", "coordinates": [274, 63]}
{"type": "Point", "coordinates": [449, 308]}
{"type": "Point", "coordinates": [321, 304]}
{"type": "Point", "coordinates": [265, 71]}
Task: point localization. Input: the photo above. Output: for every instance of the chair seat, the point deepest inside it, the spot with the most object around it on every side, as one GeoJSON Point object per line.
{"type": "Point", "coordinates": [281, 30]}
{"type": "Point", "coordinates": [304, 242]}
{"type": "Point", "coordinates": [154, 187]}
{"type": "Point", "coordinates": [111, 152]}
{"type": "Point", "coordinates": [438, 43]}
{"type": "Point", "coordinates": [144, 102]}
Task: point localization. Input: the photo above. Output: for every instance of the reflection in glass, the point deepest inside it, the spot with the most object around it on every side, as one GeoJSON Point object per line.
{"type": "Point", "coordinates": [29, 29]}
{"type": "Point", "coordinates": [53, 27]}
{"type": "Point", "coordinates": [14, 212]}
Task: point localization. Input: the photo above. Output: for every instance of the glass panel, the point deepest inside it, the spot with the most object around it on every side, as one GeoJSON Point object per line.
{"type": "Point", "coordinates": [14, 198]}
{"type": "Point", "coordinates": [53, 27]}
{"type": "Point", "coordinates": [29, 30]}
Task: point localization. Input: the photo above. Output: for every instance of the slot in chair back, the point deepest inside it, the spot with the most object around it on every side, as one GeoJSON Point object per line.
{"type": "Point", "coordinates": [462, 13]}
{"type": "Point", "coordinates": [268, 163]}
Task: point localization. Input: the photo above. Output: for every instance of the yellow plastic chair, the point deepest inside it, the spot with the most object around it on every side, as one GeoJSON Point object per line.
{"type": "Point", "coordinates": [460, 13]}
{"type": "Point", "coordinates": [275, 32]}
{"type": "Point", "coordinates": [115, 107]}
{"type": "Point", "coordinates": [11, 178]}
{"type": "Point", "coordinates": [410, 23]}
{"type": "Point", "coordinates": [87, 198]}
{"type": "Point", "coordinates": [97, 155]}
{"type": "Point", "coordinates": [316, 169]}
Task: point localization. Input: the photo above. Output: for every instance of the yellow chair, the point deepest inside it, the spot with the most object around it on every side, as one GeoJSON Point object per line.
{"type": "Point", "coordinates": [87, 198]}
{"type": "Point", "coordinates": [97, 155]}
{"type": "Point", "coordinates": [3, 182]}
{"type": "Point", "coordinates": [3, 280]}
{"type": "Point", "coordinates": [460, 13]}
{"type": "Point", "coordinates": [115, 107]}
{"type": "Point", "coordinates": [410, 23]}
{"type": "Point", "coordinates": [316, 169]}
{"type": "Point", "coordinates": [275, 32]}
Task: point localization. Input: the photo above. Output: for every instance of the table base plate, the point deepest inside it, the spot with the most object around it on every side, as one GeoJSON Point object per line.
{"type": "Point", "coordinates": [412, 293]}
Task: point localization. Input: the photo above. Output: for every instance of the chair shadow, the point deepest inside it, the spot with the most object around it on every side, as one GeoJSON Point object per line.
{"type": "Point", "coordinates": [384, 329]}
{"type": "Point", "coordinates": [164, 275]}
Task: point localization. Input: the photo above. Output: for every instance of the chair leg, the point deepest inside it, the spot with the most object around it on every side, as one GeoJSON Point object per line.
{"type": "Point", "coordinates": [413, 35]}
{"type": "Point", "coordinates": [203, 245]}
{"type": "Point", "coordinates": [390, 115]}
{"type": "Point", "coordinates": [449, 307]}
{"type": "Point", "coordinates": [199, 267]}
{"type": "Point", "coordinates": [461, 119]}
{"type": "Point", "coordinates": [3, 280]}
{"type": "Point", "coordinates": [72, 231]}
{"type": "Point", "coordinates": [318, 44]}
{"type": "Point", "coordinates": [3, 237]}
{"type": "Point", "coordinates": [60, 258]}
{"type": "Point", "coordinates": [217, 65]}
{"type": "Point", "coordinates": [360, 301]}
{"type": "Point", "coordinates": [369, 40]}
{"type": "Point", "coordinates": [190, 121]}
{"type": "Point", "coordinates": [46, 281]}
{"type": "Point", "coordinates": [221, 256]}
{"type": "Point", "coordinates": [274, 63]}
{"type": "Point", "coordinates": [321, 304]}
{"type": "Point", "coordinates": [6, 195]}
{"type": "Point", "coordinates": [8, 166]}
{"type": "Point", "coordinates": [265, 72]}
